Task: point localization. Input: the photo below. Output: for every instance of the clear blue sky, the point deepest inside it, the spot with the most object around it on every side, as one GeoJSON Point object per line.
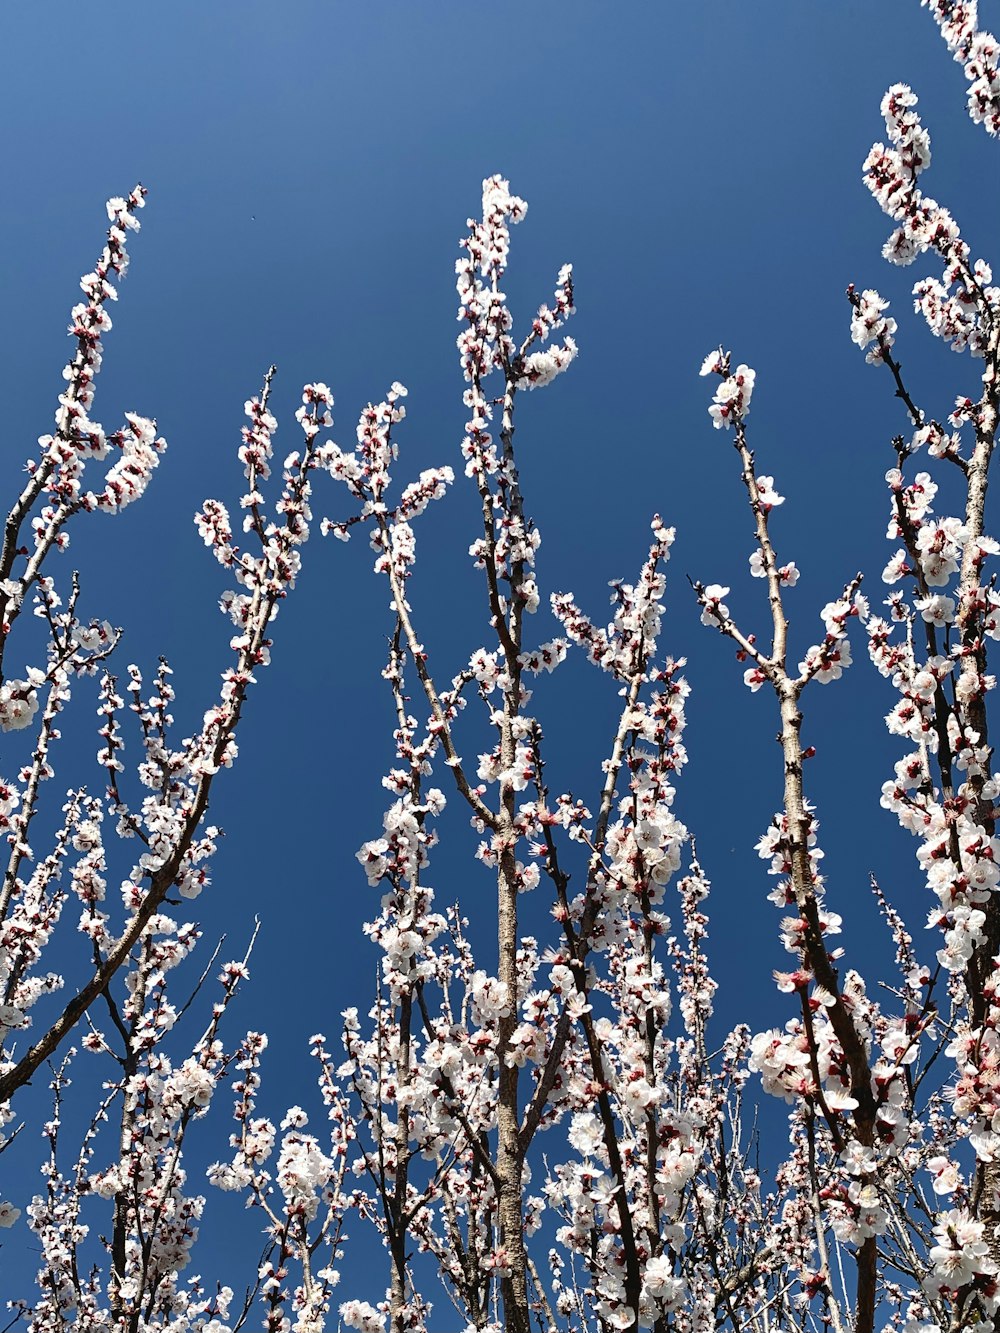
{"type": "Point", "coordinates": [310, 168]}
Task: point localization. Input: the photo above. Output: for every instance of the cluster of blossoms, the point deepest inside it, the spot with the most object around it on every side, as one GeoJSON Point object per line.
{"type": "Point", "coordinates": [732, 398]}
{"type": "Point", "coordinates": [19, 701]}
{"type": "Point", "coordinates": [952, 305]}
{"type": "Point", "coordinates": [56, 474]}
{"type": "Point", "coordinates": [871, 328]}
{"type": "Point", "coordinates": [365, 473]}
{"type": "Point", "coordinates": [362, 1316]}
{"type": "Point", "coordinates": [486, 343]}
{"type": "Point", "coordinates": [961, 1257]}
{"type": "Point", "coordinates": [978, 53]}
{"type": "Point", "coordinates": [265, 579]}
{"type": "Point", "coordinates": [825, 662]}
{"type": "Point", "coordinates": [632, 634]}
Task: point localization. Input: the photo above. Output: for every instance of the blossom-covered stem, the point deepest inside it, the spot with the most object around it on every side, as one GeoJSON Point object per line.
{"type": "Point", "coordinates": [727, 1284]}
{"type": "Point", "coordinates": [74, 433]}
{"type": "Point", "coordinates": [541, 1295]}
{"type": "Point", "coordinates": [275, 1294]}
{"type": "Point", "coordinates": [633, 1275]}
{"type": "Point", "coordinates": [760, 511]}
{"type": "Point", "coordinates": [419, 658]}
{"type": "Point", "coordinates": [48, 898]}
{"type": "Point", "coordinates": [810, 1031]}
{"type": "Point", "coordinates": [29, 801]}
{"type": "Point", "coordinates": [160, 884]}
{"type": "Point", "coordinates": [260, 613]}
{"type": "Point", "coordinates": [976, 51]}
{"type": "Point", "coordinates": [788, 691]}
{"type": "Point", "coordinates": [395, 1214]}
{"type": "Point", "coordinates": [886, 357]}
{"type": "Point", "coordinates": [553, 1064]}
{"type": "Point", "coordinates": [818, 960]}
{"type": "Point", "coordinates": [650, 1034]}
{"type": "Point", "coordinates": [510, 1155]}
{"type": "Point", "coordinates": [942, 708]}
{"type": "Point", "coordinates": [395, 1209]}
{"type": "Point", "coordinates": [972, 672]}
{"type": "Point", "coordinates": [819, 1225]}
{"type": "Point", "coordinates": [963, 722]}
{"type": "Point", "coordinates": [156, 1206]}
{"type": "Point", "coordinates": [515, 507]}
{"type": "Point", "coordinates": [254, 464]}
{"type": "Point", "coordinates": [973, 660]}
{"type": "Point", "coordinates": [637, 678]}
{"type": "Point", "coordinates": [45, 540]}
{"type": "Point", "coordinates": [746, 644]}
{"type": "Point", "coordinates": [123, 1202]}
{"type": "Point", "coordinates": [60, 1080]}
{"type": "Point", "coordinates": [578, 947]}
{"type": "Point", "coordinates": [505, 551]}
{"type": "Point", "coordinates": [578, 942]}
{"type": "Point", "coordinates": [473, 1138]}
{"type": "Point", "coordinates": [497, 616]}
{"type": "Point", "coordinates": [9, 606]}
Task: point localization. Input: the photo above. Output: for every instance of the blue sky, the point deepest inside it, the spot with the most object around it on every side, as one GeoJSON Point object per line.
{"type": "Point", "coordinates": [310, 168]}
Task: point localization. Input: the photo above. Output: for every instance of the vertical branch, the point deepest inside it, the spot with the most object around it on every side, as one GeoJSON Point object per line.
{"type": "Point", "coordinates": [731, 405]}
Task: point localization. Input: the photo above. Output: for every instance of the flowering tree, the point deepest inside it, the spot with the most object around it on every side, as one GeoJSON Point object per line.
{"type": "Point", "coordinates": [547, 1130]}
